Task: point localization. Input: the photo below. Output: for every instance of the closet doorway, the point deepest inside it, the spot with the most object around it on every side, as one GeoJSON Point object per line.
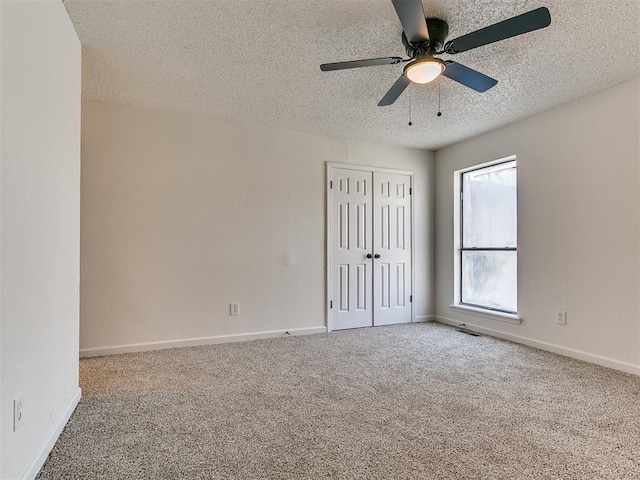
{"type": "Point", "coordinates": [369, 246]}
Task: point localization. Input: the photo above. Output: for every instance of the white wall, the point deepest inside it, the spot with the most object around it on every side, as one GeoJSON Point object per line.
{"type": "Point", "coordinates": [182, 215]}
{"type": "Point", "coordinates": [578, 226]}
{"type": "Point", "coordinates": [39, 228]}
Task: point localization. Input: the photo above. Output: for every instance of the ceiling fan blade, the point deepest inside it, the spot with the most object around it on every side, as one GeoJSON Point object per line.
{"type": "Point", "coordinates": [527, 22]}
{"type": "Point", "coordinates": [411, 17]}
{"type": "Point", "coordinates": [395, 91]}
{"type": "Point", "coordinates": [372, 62]}
{"type": "Point", "coordinates": [468, 77]}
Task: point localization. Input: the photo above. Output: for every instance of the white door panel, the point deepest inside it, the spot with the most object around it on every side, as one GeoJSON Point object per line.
{"type": "Point", "coordinates": [351, 241]}
{"type": "Point", "coordinates": [392, 242]}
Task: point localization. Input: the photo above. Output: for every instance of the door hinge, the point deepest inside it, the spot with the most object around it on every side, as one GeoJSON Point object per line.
{"type": "Point", "coordinates": [331, 304]}
{"type": "Point", "coordinates": [411, 298]}
{"type": "Point", "coordinates": [330, 183]}
{"type": "Point", "coordinates": [461, 196]}
{"type": "Point", "coordinates": [410, 191]}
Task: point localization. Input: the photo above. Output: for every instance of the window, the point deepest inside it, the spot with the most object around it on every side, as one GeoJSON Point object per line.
{"type": "Point", "coordinates": [487, 240]}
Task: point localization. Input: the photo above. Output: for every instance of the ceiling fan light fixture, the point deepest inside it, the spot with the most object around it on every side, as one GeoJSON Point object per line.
{"type": "Point", "coordinates": [424, 70]}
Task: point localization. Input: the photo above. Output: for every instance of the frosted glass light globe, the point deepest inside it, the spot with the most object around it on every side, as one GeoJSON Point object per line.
{"type": "Point", "coordinates": [424, 71]}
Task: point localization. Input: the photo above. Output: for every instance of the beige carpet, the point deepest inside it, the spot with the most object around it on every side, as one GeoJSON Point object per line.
{"type": "Point", "coordinates": [412, 401]}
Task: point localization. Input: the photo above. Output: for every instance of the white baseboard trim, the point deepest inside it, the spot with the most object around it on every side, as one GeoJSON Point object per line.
{"type": "Point", "coordinates": [425, 318]}
{"type": "Point", "coordinates": [549, 347]}
{"type": "Point", "coordinates": [193, 342]}
{"type": "Point", "coordinates": [45, 450]}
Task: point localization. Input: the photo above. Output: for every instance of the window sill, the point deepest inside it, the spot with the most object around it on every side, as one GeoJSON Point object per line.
{"type": "Point", "coordinates": [503, 317]}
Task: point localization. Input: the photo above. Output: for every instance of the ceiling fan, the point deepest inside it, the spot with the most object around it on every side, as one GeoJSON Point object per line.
{"type": "Point", "coordinates": [425, 37]}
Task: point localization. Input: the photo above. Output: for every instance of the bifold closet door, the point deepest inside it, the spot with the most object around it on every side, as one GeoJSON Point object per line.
{"type": "Point", "coordinates": [351, 242]}
{"type": "Point", "coordinates": [392, 243]}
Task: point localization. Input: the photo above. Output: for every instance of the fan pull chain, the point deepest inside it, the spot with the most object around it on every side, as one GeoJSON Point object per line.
{"type": "Point", "coordinates": [410, 122]}
{"type": "Point", "coordinates": [439, 98]}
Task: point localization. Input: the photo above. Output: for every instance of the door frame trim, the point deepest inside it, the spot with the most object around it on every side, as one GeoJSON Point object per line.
{"type": "Point", "coordinates": [327, 246]}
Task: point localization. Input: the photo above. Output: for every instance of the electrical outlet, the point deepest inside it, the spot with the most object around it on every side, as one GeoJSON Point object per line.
{"type": "Point", "coordinates": [18, 413]}
{"type": "Point", "coordinates": [234, 309]}
{"type": "Point", "coordinates": [561, 318]}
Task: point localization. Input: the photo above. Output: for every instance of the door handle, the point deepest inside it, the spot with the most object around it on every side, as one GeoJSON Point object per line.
{"type": "Point", "coordinates": [376, 256]}
{"type": "Point", "coordinates": [369, 255]}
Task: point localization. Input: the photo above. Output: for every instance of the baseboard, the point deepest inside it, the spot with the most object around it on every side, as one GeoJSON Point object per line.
{"type": "Point", "coordinates": [193, 342]}
{"type": "Point", "coordinates": [425, 318]}
{"type": "Point", "coordinates": [45, 450]}
{"type": "Point", "coordinates": [549, 347]}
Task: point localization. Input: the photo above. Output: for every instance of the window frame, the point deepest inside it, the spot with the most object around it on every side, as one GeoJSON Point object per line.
{"type": "Point", "coordinates": [458, 304]}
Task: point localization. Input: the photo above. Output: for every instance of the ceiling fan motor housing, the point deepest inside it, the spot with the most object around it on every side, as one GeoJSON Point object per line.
{"type": "Point", "coordinates": [438, 32]}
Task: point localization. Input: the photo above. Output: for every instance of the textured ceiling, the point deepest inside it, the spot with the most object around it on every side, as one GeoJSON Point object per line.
{"type": "Point", "coordinates": [258, 62]}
